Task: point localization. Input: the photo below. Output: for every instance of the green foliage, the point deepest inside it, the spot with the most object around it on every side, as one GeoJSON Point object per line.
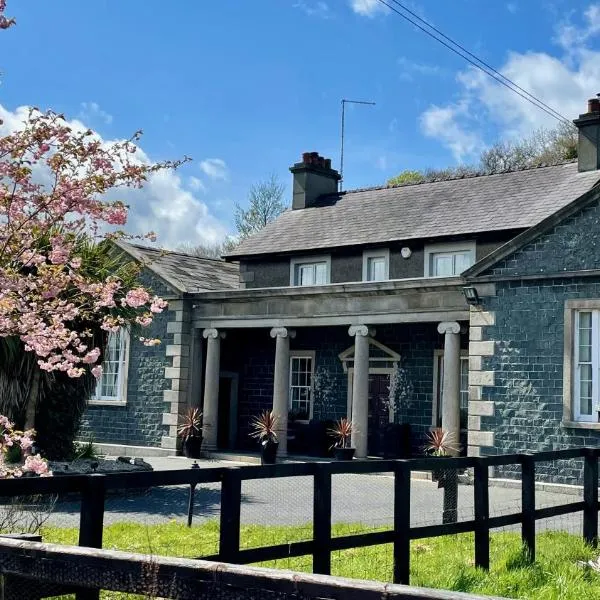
{"type": "Point", "coordinates": [443, 563]}
{"type": "Point", "coordinates": [86, 450]}
{"type": "Point", "coordinates": [542, 147]}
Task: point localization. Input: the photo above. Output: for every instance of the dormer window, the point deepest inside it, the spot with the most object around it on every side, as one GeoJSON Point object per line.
{"type": "Point", "coordinates": [376, 265]}
{"type": "Point", "coordinates": [449, 260]}
{"type": "Point", "coordinates": [310, 271]}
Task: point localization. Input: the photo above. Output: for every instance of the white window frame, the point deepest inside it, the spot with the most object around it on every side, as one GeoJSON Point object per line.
{"type": "Point", "coordinates": [437, 382]}
{"type": "Point", "coordinates": [309, 260]}
{"type": "Point", "coordinates": [369, 254]}
{"type": "Point", "coordinates": [449, 248]}
{"type": "Point", "coordinates": [303, 354]}
{"type": "Point", "coordinates": [121, 400]}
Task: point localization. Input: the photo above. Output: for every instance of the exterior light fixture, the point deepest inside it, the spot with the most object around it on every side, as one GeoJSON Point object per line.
{"type": "Point", "coordinates": [471, 295]}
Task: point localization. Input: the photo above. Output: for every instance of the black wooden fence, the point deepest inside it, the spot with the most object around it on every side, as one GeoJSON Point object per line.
{"type": "Point", "coordinates": [33, 570]}
{"type": "Point", "coordinates": [93, 490]}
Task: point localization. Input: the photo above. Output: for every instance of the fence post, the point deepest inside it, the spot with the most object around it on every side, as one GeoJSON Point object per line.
{"type": "Point", "coordinates": [482, 514]}
{"type": "Point", "coordinates": [402, 523]}
{"type": "Point", "coordinates": [322, 520]}
{"type": "Point", "coordinates": [528, 504]}
{"type": "Point", "coordinates": [590, 497]}
{"type": "Point", "coordinates": [231, 500]}
{"type": "Point", "coordinates": [91, 516]}
{"type": "Point", "coordinates": [194, 467]}
{"type": "Point", "coordinates": [91, 521]}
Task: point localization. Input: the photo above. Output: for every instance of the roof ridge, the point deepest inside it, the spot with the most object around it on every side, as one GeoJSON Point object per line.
{"type": "Point", "coordinates": [180, 253]}
{"type": "Point", "coordinates": [473, 175]}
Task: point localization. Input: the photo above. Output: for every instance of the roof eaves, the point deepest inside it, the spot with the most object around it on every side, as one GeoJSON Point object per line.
{"type": "Point", "coordinates": [532, 233]}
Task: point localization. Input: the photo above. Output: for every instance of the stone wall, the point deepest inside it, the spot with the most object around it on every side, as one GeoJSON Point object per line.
{"type": "Point", "coordinates": [517, 391]}
{"type": "Point", "coordinates": [140, 421]}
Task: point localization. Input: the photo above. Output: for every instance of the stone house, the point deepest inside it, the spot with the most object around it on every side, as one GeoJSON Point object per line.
{"type": "Point", "coordinates": [471, 304]}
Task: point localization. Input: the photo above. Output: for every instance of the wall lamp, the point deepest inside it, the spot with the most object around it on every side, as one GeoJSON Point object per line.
{"type": "Point", "coordinates": [471, 295]}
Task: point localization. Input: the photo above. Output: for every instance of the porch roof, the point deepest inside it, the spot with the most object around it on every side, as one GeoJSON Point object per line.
{"type": "Point", "coordinates": [396, 301]}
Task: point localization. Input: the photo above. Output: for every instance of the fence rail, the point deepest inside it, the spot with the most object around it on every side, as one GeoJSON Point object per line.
{"type": "Point", "coordinates": [62, 569]}
{"type": "Point", "coordinates": [93, 489]}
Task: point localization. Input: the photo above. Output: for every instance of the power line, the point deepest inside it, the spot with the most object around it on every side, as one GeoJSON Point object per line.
{"type": "Point", "coordinates": [465, 54]}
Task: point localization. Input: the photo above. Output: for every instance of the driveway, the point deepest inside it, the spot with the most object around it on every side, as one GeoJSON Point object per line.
{"type": "Point", "coordinates": [357, 499]}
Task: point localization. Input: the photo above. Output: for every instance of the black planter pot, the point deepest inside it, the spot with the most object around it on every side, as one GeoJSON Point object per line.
{"type": "Point", "coordinates": [191, 447]}
{"type": "Point", "coordinates": [344, 453]}
{"type": "Point", "coordinates": [268, 452]}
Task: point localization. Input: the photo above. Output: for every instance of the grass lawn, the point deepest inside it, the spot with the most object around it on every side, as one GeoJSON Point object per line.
{"type": "Point", "coordinates": [445, 562]}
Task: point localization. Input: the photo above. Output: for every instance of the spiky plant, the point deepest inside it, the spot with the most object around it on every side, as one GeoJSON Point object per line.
{"type": "Point", "coordinates": [262, 427]}
{"type": "Point", "coordinates": [440, 442]}
{"type": "Point", "coordinates": [191, 425]}
{"type": "Point", "coordinates": [342, 433]}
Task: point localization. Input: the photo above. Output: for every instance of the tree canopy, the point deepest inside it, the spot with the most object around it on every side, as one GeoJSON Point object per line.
{"type": "Point", "coordinates": [542, 147]}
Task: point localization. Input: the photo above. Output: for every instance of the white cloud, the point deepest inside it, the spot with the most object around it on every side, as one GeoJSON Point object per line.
{"type": "Point", "coordinates": [314, 9]}
{"type": "Point", "coordinates": [164, 205]}
{"type": "Point", "coordinates": [512, 7]}
{"type": "Point", "coordinates": [368, 8]}
{"type": "Point", "coordinates": [196, 184]}
{"type": "Point", "coordinates": [564, 81]}
{"type": "Point", "coordinates": [444, 124]}
{"type": "Point", "coordinates": [409, 68]}
{"type": "Point", "coordinates": [215, 168]}
{"type": "Point", "coordinates": [91, 111]}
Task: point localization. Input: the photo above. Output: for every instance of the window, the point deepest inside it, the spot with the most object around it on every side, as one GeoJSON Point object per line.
{"type": "Point", "coordinates": [301, 384]}
{"type": "Point", "coordinates": [585, 363]}
{"type": "Point", "coordinates": [111, 387]}
{"type": "Point", "coordinates": [438, 369]}
{"type": "Point", "coordinates": [376, 265]}
{"type": "Point", "coordinates": [448, 260]}
{"type": "Point", "coordinates": [310, 272]}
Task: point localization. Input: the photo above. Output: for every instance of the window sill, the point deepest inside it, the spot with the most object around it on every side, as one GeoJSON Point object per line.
{"type": "Point", "coordinates": [107, 402]}
{"type": "Point", "coordinates": [581, 425]}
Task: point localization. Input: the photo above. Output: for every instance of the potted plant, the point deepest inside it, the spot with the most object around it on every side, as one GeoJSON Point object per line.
{"type": "Point", "coordinates": [190, 432]}
{"type": "Point", "coordinates": [262, 427]}
{"type": "Point", "coordinates": [342, 433]}
{"type": "Point", "coordinates": [441, 443]}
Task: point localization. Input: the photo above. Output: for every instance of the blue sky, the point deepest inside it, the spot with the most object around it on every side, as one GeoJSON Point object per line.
{"type": "Point", "coordinates": [244, 87]}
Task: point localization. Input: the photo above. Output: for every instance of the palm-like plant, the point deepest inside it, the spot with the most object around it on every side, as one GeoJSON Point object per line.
{"type": "Point", "coordinates": [440, 442]}
{"type": "Point", "coordinates": [191, 426]}
{"type": "Point", "coordinates": [342, 433]}
{"type": "Point", "coordinates": [262, 427]}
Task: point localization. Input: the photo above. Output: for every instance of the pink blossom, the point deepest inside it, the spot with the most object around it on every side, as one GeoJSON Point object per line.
{"type": "Point", "coordinates": [136, 297]}
{"type": "Point", "coordinates": [92, 356]}
{"type": "Point", "coordinates": [36, 464]}
{"type": "Point", "coordinates": [97, 372]}
{"type": "Point", "coordinates": [158, 304]}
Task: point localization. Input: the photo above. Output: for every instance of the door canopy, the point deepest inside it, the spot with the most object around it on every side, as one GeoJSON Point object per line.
{"type": "Point", "coordinates": [380, 356]}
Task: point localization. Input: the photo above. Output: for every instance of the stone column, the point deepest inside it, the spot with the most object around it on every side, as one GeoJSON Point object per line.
{"type": "Point", "coordinates": [360, 389]}
{"type": "Point", "coordinates": [451, 381]}
{"type": "Point", "coordinates": [281, 384]}
{"type": "Point", "coordinates": [210, 417]}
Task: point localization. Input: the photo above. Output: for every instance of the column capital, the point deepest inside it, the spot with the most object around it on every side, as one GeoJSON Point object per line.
{"type": "Point", "coordinates": [213, 334]}
{"type": "Point", "coordinates": [363, 330]}
{"type": "Point", "coordinates": [449, 327]}
{"type": "Point", "coordinates": [282, 332]}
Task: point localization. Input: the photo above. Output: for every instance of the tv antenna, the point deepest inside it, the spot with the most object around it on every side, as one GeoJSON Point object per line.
{"type": "Point", "coordinates": [344, 102]}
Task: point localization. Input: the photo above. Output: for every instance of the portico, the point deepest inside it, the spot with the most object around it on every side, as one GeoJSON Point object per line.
{"type": "Point", "coordinates": [282, 325]}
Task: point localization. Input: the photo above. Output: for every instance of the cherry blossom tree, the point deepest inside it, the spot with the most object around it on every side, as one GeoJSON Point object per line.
{"type": "Point", "coordinates": [55, 185]}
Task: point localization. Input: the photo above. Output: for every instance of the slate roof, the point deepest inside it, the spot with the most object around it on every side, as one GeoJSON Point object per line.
{"type": "Point", "coordinates": [511, 200]}
{"type": "Point", "coordinates": [184, 272]}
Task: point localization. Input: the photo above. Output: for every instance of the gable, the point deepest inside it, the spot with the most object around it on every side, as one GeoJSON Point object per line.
{"type": "Point", "coordinates": [570, 244]}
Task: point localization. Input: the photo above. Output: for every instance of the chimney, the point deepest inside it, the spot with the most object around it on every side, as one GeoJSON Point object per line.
{"type": "Point", "coordinates": [588, 147]}
{"type": "Point", "coordinates": [313, 177]}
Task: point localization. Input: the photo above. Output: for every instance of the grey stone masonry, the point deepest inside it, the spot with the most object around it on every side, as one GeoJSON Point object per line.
{"type": "Point", "coordinates": [178, 373]}
{"type": "Point", "coordinates": [523, 407]}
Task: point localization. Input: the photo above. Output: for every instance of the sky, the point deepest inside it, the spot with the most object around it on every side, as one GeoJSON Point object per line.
{"type": "Point", "coordinates": [243, 87]}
